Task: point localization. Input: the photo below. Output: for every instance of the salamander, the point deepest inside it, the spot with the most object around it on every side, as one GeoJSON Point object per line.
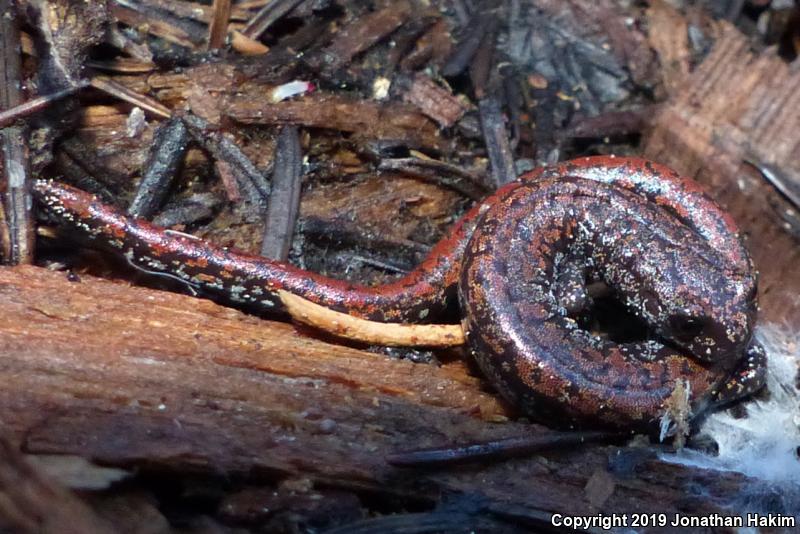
{"type": "Point", "coordinates": [519, 265]}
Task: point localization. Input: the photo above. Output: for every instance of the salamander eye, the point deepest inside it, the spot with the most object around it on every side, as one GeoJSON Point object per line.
{"type": "Point", "coordinates": [686, 327]}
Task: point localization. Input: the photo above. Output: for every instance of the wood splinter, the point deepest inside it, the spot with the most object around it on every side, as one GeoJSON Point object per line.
{"type": "Point", "coordinates": [389, 334]}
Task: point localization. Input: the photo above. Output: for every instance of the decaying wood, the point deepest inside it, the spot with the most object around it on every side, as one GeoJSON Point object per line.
{"type": "Point", "coordinates": [16, 219]}
{"type": "Point", "coordinates": [31, 503]}
{"type": "Point", "coordinates": [201, 330]}
{"type": "Point", "coordinates": [740, 105]}
{"type": "Point", "coordinates": [166, 27]}
{"type": "Point", "coordinates": [129, 376]}
{"type": "Point", "coordinates": [665, 23]}
{"type": "Point", "coordinates": [434, 100]}
{"type": "Point", "coordinates": [366, 119]}
{"type": "Point", "coordinates": [364, 32]}
{"type": "Point", "coordinates": [420, 210]}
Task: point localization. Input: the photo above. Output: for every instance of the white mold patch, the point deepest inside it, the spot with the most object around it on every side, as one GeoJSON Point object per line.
{"type": "Point", "coordinates": [763, 445]}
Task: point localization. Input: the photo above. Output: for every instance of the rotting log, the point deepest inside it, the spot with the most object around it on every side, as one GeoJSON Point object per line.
{"type": "Point", "coordinates": [735, 105]}
{"type": "Point", "coordinates": [134, 377]}
{"type": "Point", "coordinates": [30, 502]}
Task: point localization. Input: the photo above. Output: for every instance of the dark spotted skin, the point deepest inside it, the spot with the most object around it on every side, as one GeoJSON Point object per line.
{"type": "Point", "coordinates": [520, 262]}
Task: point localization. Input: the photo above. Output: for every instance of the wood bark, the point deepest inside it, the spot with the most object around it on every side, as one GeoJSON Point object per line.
{"type": "Point", "coordinates": [134, 377]}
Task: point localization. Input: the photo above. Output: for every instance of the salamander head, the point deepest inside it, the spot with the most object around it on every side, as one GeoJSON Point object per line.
{"type": "Point", "coordinates": [707, 311]}
{"type": "Point", "coordinates": [709, 333]}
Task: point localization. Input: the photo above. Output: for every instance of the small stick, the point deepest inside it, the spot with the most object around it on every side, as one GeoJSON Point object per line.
{"type": "Point", "coordinates": [439, 172]}
{"type": "Point", "coordinates": [388, 334]}
{"type": "Point", "coordinates": [495, 136]}
{"type": "Point", "coordinates": [497, 449]}
{"type": "Point", "coordinates": [123, 65]}
{"type": "Point", "coordinates": [116, 89]}
{"type": "Point", "coordinates": [218, 27]}
{"type": "Point", "coordinates": [17, 224]}
{"type": "Point", "coordinates": [37, 104]}
{"type": "Point", "coordinates": [482, 64]}
{"type": "Point", "coordinates": [379, 264]}
{"type": "Point", "coordinates": [786, 186]}
{"type": "Point", "coordinates": [468, 45]}
{"type": "Point", "coordinates": [161, 168]}
{"type": "Point", "coordinates": [250, 180]}
{"type": "Point", "coordinates": [267, 16]}
{"type": "Point", "coordinates": [515, 103]}
{"type": "Point", "coordinates": [284, 202]}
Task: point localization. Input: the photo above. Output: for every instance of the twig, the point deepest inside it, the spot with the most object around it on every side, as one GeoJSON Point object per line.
{"type": "Point", "coordinates": [248, 177]}
{"type": "Point", "coordinates": [468, 45]}
{"type": "Point", "coordinates": [218, 28]}
{"type": "Point", "coordinates": [284, 201]}
{"type": "Point", "coordinates": [788, 187]}
{"type": "Point", "coordinates": [39, 103]}
{"type": "Point", "coordinates": [480, 69]}
{"type": "Point", "coordinates": [440, 172]}
{"type": "Point", "coordinates": [267, 16]}
{"type": "Point", "coordinates": [502, 448]}
{"type": "Point", "coordinates": [116, 89]}
{"type": "Point", "coordinates": [18, 220]}
{"type": "Point", "coordinates": [372, 262]}
{"type": "Point", "coordinates": [515, 102]}
{"type": "Point", "coordinates": [163, 162]}
{"type": "Point", "coordinates": [496, 139]}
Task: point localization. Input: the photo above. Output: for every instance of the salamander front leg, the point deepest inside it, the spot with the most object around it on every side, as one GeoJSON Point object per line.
{"type": "Point", "coordinates": [749, 377]}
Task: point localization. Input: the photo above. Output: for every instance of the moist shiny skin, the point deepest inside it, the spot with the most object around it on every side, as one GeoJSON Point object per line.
{"type": "Point", "coordinates": [520, 262]}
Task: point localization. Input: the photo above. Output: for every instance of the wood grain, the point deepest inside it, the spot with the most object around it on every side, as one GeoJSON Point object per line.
{"type": "Point", "coordinates": [738, 104]}
{"type": "Point", "coordinates": [133, 377]}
